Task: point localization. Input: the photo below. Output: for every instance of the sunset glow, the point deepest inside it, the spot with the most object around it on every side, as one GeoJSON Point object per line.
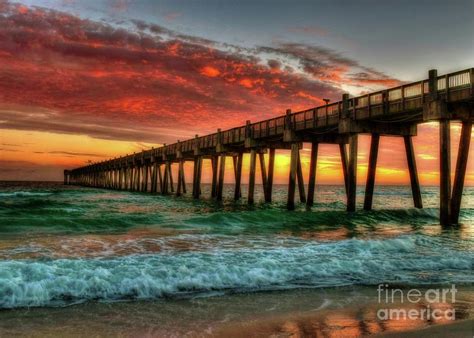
{"type": "Point", "coordinates": [251, 168]}
{"type": "Point", "coordinates": [75, 89]}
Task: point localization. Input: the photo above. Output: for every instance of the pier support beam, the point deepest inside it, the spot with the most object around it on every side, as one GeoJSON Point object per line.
{"type": "Point", "coordinates": [271, 167]}
{"type": "Point", "coordinates": [195, 170]}
{"type": "Point", "coordinates": [141, 180]}
{"type": "Point", "coordinates": [180, 178]}
{"type": "Point", "coordinates": [197, 177]}
{"type": "Point", "coordinates": [145, 178]}
{"type": "Point", "coordinates": [235, 158]}
{"type": "Point", "coordinates": [415, 184]}
{"type": "Point", "coordinates": [183, 180]}
{"type": "Point", "coordinates": [461, 164]}
{"type": "Point", "coordinates": [160, 178]}
{"type": "Point", "coordinates": [153, 178]}
{"type": "Point", "coordinates": [352, 173]}
{"type": "Point", "coordinates": [134, 178]}
{"type": "Point", "coordinates": [120, 178]}
{"type": "Point", "coordinates": [253, 163]}
{"type": "Point", "coordinates": [343, 151]}
{"type": "Point", "coordinates": [299, 174]}
{"type": "Point", "coordinates": [312, 173]}
{"type": "Point", "coordinates": [138, 178]}
{"type": "Point", "coordinates": [445, 171]}
{"type": "Point", "coordinates": [263, 170]}
{"type": "Point", "coordinates": [214, 165]}
{"type": "Point", "coordinates": [238, 176]}
{"type": "Point", "coordinates": [170, 173]}
{"type": "Point", "coordinates": [290, 203]}
{"type": "Point", "coordinates": [128, 178]}
{"type": "Point", "coordinates": [220, 185]}
{"type": "Point", "coordinates": [369, 187]}
{"type": "Point", "coordinates": [164, 189]}
{"type": "Point", "coordinates": [131, 178]}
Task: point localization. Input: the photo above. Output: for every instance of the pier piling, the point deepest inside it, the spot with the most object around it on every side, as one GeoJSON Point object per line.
{"type": "Point", "coordinates": [415, 184]}
{"type": "Point", "coordinates": [271, 169]}
{"type": "Point", "coordinates": [460, 173]}
{"type": "Point", "coordinates": [312, 174]}
{"type": "Point", "coordinates": [352, 173]}
{"type": "Point", "coordinates": [238, 177]}
{"type": "Point", "coordinates": [369, 187]}
{"type": "Point", "coordinates": [445, 171]}
{"type": "Point", "coordinates": [253, 164]}
{"type": "Point", "coordinates": [220, 185]}
{"type": "Point", "coordinates": [292, 177]}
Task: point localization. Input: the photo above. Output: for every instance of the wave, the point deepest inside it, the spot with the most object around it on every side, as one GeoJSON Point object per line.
{"type": "Point", "coordinates": [24, 194]}
{"type": "Point", "coordinates": [407, 260]}
{"type": "Point", "coordinates": [269, 219]}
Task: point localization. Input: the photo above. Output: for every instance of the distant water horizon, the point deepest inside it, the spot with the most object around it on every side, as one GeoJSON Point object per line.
{"type": "Point", "coordinates": [245, 184]}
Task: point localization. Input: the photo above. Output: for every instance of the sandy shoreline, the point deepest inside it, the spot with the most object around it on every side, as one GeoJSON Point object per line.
{"type": "Point", "coordinates": [458, 329]}
{"type": "Point", "coordinates": [332, 312]}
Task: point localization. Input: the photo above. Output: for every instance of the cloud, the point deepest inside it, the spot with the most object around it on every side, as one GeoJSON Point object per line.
{"type": "Point", "coordinates": [143, 82]}
{"type": "Point", "coordinates": [69, 153]}
{"type": "Point", "coordinates": [327, 65]}
{"type": "Point", "coordinates": [40, 119]}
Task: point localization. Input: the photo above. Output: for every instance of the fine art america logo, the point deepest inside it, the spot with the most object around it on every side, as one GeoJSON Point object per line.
{"type": "Point", "coordinates": [416, 304]}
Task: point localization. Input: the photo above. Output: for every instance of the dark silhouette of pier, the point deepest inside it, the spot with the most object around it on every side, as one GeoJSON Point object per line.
{"type": "Point", "coordinates": [393, 112]}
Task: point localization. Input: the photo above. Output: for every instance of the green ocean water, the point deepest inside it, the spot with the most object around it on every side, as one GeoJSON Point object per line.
{"type": "Point", "coordinates": [63, 245]}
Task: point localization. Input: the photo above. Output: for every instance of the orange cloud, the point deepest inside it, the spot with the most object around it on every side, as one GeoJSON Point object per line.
{"type": "Point", "coordinates": [210, 71]}
{"type": "Point", "coordinates": [247, 83]}
{"type": "Point", "coordinates": [22, 9]}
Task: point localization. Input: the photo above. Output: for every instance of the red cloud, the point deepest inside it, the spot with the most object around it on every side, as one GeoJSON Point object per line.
{"type": "Point", "coordinates": [151, 77]}
{"type": "Point", "coordinates": [210, 71]}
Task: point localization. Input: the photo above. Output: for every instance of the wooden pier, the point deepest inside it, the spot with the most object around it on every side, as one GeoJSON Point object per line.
{"type": "Point", "coordinates": [391, 112]}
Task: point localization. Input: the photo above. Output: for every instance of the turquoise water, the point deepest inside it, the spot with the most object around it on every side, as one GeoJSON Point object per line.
{"type": "Point", "coordinates": [67, 245]}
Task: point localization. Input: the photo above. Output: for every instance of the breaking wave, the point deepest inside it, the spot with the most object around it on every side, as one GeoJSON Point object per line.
{"type": "Point", "coordinates": [407, 260]}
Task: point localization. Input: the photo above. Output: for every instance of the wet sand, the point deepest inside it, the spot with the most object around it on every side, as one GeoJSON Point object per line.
{"type": "Point", "coordinates": [335, 312]}
{"type": "Point", "coordinates": [458, 329]}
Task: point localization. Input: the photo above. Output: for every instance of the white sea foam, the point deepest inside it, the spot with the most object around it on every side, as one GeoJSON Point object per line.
{"type": "Point", "coordinates": [148, 276]}
{"type": "Point", "coordinates": [23, 194]}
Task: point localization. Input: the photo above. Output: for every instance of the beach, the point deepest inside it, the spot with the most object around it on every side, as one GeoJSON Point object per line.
{"type": "Point", "coordinates": [333, 312]}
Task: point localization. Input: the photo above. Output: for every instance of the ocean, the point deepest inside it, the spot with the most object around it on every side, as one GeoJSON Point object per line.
{"type": "Point", "coordinates": [154, 265]}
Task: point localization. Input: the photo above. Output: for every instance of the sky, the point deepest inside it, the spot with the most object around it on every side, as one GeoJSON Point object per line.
{"type": "Point", "coordinates": [84, 81]}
